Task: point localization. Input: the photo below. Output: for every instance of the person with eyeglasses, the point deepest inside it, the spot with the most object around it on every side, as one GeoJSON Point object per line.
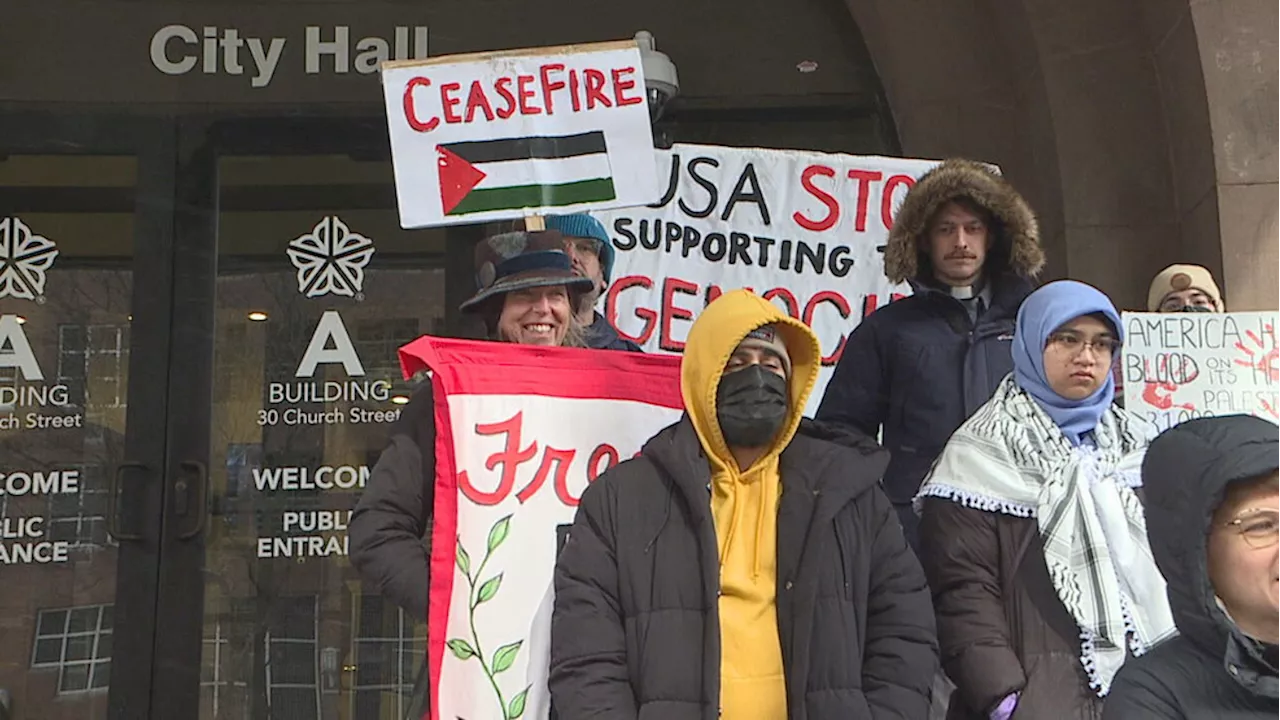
{"type": "Point", "coordinates": [1032, 531]}
{"type": "Point", "coordinates": [1212, 493]}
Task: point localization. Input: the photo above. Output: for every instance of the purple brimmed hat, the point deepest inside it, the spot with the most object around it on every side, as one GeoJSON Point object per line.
{"type": "Point", "coordinates": [519, 261]}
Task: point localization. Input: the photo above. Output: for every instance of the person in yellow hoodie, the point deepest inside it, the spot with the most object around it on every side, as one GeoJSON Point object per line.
{"type": "Point", "coordinates": [746, 565]}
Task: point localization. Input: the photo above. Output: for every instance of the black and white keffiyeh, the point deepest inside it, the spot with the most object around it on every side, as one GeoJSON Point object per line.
{"type": "Point", "coordinates": [1011, 458]}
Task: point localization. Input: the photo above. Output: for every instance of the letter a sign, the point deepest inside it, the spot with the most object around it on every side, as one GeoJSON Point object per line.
{"type": "Point", "coordinates": [330, 330]}
{"type": "Point", "coordinates": [15, 351]}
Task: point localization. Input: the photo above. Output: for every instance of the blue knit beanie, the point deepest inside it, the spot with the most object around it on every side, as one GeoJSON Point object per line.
{"type": "Point", "coordinates": [583, 225]}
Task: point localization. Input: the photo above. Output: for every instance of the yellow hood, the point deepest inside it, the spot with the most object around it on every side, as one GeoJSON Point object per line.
{"type": "Point", "coordinates": [712, 340]}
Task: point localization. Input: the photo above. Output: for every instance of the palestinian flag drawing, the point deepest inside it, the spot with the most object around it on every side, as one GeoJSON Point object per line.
{"type": "Point", "coordinates": [514, 173]}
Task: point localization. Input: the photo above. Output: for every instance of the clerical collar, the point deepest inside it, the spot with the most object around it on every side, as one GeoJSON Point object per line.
{"type": "Point", "coordinates": [962, 292]}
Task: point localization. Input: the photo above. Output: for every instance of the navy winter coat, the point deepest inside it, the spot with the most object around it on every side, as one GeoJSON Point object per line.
{"type": "Point", "coordinates": [602, 336]}
{"type": "Point", "coordinates": [918, 368]}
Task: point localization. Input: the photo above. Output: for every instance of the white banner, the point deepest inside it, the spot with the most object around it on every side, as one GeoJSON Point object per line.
{"type": "Point", "coordinates": [1181, 366]}
{"type": "Point", "coordinates": [805, 229]}
{"type": "Point", "coordinates": [491, 136]}
{"type": "Point", "coordinates": [514, 452]}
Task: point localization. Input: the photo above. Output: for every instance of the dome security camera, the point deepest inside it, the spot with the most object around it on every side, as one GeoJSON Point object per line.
{"type": "Point", "coordinates": [661, 83]}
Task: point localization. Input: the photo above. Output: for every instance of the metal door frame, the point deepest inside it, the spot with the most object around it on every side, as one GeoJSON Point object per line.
{"type": "Point", "coordinates": [139, 486]}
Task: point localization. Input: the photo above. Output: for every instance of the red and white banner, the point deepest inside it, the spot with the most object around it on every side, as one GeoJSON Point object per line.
{"type": "Point", "coordinates": [806, 230]}
{"type": "Point", "coordinates": [520, 432]}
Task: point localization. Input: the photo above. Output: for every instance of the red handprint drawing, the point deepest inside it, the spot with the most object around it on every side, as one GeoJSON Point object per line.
{"type": "Point", "coordinates": [1160, 393]}
{"type": "Point", "coordinates": [1266, 363]}
{"type": "Point", "coordinates": [1262, 360]}
{"type": "Point", "coordinates": [1152, 395]}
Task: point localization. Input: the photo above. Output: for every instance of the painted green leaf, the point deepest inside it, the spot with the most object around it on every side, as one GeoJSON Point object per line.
{"type": "Point", "coordinates": [461, 649]}
{"type": "Point", "coordinates": [498, 532]}
{"type": "Point", "coordinates": [489, 589]}
{"type": "Point", "coordinates": [464, 561]}
{"type": "Point", "coordinates": [505, 656]}
{"type": "Point", "coordinates": [516, 708]}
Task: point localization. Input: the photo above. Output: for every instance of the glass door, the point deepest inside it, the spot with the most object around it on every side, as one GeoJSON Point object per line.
{"type": "Point", "coordinates": [316, 287]}
{"type": "Point", "coordinates": [84, 220]}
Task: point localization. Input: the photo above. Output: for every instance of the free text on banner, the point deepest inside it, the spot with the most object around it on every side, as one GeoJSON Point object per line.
{"type": "Point", "coordinates": [520, 432]}
{"type": "Point", "coordinates": [807, 230]}
{"type": "Point", "coordinates": [491, 136]}
{"type": "Point", "coordinates": [1181, 366]}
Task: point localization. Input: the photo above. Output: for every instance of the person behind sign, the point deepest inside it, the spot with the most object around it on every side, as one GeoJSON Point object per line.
{"type": "Point", "coordinates": [1184, 288]}
{"type": "Point", "coordinates": [746, 563]}
{"type": "Point", "coordinates": [1211, 495]}
{"type": "Point", "coordinates": [590, 249]}
{"type": "Point", "coordinates": [1032, 534]}
{"type": "Point", "coordinates": [527, 294]}
{"type": "Point", "coordinates": [969, 245]}
{"type": "Point", "coordinates": [1178, 288]}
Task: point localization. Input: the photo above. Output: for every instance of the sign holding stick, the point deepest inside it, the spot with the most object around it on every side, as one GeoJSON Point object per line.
{"type": "Point", "coordinates": [501, 135]}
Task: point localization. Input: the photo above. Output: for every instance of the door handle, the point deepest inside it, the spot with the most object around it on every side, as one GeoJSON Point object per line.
{"type": "Point", "coordinates": [188, 500]}
{"type": "Point", "coordinates": [117, 501]}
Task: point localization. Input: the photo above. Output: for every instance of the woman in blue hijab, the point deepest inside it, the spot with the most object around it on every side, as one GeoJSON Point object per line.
{"type": "Point", "coordinates": [1031, 534]}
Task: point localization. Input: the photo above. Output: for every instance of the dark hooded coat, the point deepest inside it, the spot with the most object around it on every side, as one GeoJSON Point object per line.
{"type": "Point", "coordinates": [636, 633]}
{"type": "Point", "coordinates": [1210, 670]}
{"type": "Point", "coordinates": [602, 336]}
{"type": "Point", "coordinates": [919, 366]}
{"type": "Point", "coordinates": [636, 628]}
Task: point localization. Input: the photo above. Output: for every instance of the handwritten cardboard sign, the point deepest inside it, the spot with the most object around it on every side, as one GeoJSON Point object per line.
{"type": "Point", "coordinates": [1181, 366]}
{"type": "Point", "coordinates": [497, 135]}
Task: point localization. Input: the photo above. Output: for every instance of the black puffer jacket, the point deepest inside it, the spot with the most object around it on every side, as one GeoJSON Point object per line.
{"type": "Point", "coordinates": [1211, 670]}
{"type": "Point", "coordinates": [388, 530]}
{"type": "Point", "coordinates": [636, 633]}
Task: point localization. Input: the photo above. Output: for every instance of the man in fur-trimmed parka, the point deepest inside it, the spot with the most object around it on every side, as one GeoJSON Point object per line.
{"type": "Point", "coordinates": [969, 246]}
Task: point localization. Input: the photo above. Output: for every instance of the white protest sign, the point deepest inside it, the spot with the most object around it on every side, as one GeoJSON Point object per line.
{"type": "Point", "coordinates": [1181, 366]}
{"type": "Point", "coordinates": [806, 230]}
{"type": "Point", "coordinates": [498, 135]}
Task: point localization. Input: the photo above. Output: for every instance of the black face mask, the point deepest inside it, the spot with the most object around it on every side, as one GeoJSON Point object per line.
{"type": "Point", "coordinates": [1195, 308]}
{"type": "Point", "coordinates": [751, 405]}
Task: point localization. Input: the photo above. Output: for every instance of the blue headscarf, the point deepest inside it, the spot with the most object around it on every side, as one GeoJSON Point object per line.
{"type": "Point", "coordinates": [1043, 312]}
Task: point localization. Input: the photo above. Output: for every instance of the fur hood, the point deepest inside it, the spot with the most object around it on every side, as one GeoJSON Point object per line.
{"type": "Point", "coordinates": [1017, 244]}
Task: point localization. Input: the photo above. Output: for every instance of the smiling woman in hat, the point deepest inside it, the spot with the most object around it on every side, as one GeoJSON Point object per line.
{"type": "Point", "coordinates": [527, 292]}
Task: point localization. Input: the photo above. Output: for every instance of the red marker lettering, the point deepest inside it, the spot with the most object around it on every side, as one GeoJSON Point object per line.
{"type": "Point", "coordinates": [824, 197]}
{"type": "Point", "coordinates": [595, 89]}
{"type": "Point", "coordinates": [449, 102]}
{"type": "Point", "coordinates": [621, 85]}
{"type": "Point", "coordinates": [573, 90]}
{"type": "Point", "coordinates": [886, 197]}
{"type": "Point", "coordinates": [476, 100]}
{"type": "Point", "coordinates": [503, 86]}
{"type": "Point", "coordinates": [548, 85]}
{"type": "Point", "coordinates": [649, 317]}
{"type": "Point", "coordinates": [864, 178]}
{"type": "Point", "coordinates": [670, 312]}
{"type": "Point", "coordinates": [410, 114]}
{"type": "Point", "coordinates": [509, 458]}
{"type": "Point", "coordinates": [525, 94]}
